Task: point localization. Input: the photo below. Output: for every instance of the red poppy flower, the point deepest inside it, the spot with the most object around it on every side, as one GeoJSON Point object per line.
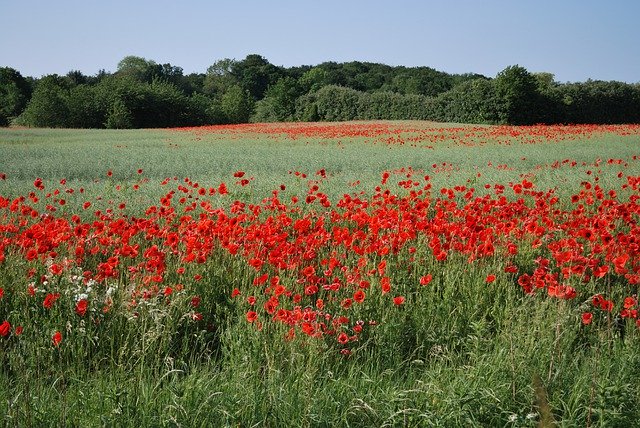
{"type": "Point", "coordinates": [81, 307]}
{"type": "Point", "coordinates": [386, 285]}
{"type": "Point", "coordinates": [50, 299]}
{"type": "Point", "coordinates": [5, 328]}
{"type": "Point", "coordinates": [55, 269]}
{"type": "Point", "coordinates": [343, 338]}
{"type": "Point", "coordinates": [587, 317]}
{"type": "Point", "coordinates": [195, 301]}
{"type": "Point", "coordinates": [490, 278]}
{"type": "Point", "coordinates": [252, 316]}
{"type": "Point", "coordinates": [56, 339]}
{"type": "Point", "coordinates": [398, 300]}
{"type": "Point", "coordinates": [425, 280]}
{"type": "Point", "coordinates": [629, 302]}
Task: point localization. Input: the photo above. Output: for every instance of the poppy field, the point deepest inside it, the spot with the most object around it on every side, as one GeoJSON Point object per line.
{"type": "Point", "coordinates": [321, 274]}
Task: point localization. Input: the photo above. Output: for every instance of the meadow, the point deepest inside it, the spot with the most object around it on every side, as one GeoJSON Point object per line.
{"type": "Point", "coordinates": [389, 273]}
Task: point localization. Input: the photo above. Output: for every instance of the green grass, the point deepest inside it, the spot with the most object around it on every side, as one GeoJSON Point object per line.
{"type": "Point", "coordinates": [460, 352]}
{"type": "Point", "coordinates": [84, 156]}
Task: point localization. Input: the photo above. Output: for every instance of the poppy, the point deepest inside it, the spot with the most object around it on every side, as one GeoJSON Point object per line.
{"type": "Point", "coordinates": [81, 307]}
{"type": "Point", "coordinates": [425, 280]}
{"type": "Point", "coordinates": [50, 299]}
{"type": "Point", "coordinates": [56, 339]}
{"type": "Point", "coordinates": [5, 328]}
{"type": "Point", "coordinates": [343, 338]}
{"type": "Point", "coordinates": [252, 316]}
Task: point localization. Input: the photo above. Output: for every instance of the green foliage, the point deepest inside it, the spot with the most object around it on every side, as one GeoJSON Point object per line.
{"type": "Point", "coordinates": [219, 77]}
{"type": "Point", "coordinates": [474, 101]}
{"type": "Point", "coordinates": [599, 102]}
{"type": "Point", "coordinates": [279, 103]}
{"type": "Point", "coordinates": [314, 79]}
{"type": "Point", "coordinates": [421, 81]}
{"type": "Point", "coordinates": [520, 101]}
{"type": "Point", "coordinates": [119, 116]}
{"type": "Point", "coordinates": [48, 106]}
{"type": "Point", "coordinates": [85, 109]}
{"type": "Point", "coordinates": [15, 92]}
{"type": "Point", "coordinates": [236, 105]}
{"type": "Point", "coordinates": [332, 103]}
{"type": "Point", "coordinates": [160, 95]}
{"type": "Point", "coordinates": [255, 74]}
{"type": "Point", "coordinates": [337, 103]}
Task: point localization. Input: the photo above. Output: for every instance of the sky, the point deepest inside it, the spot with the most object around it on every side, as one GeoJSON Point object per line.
{"type": "Point", "coordinates": [573, 39]}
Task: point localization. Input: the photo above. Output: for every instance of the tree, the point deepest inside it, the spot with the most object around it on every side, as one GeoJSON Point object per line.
{"type": "Point", "coordinates": [474, 101]}
{"type": "Point", "coordinates": [85, 110]}
{"type": "Point", "coordinates": [48, 105]}
{"type": "Point", "coordinates": [76, 77]}
{"type": "Point", "coordinates": [517, 92]}
{"type": "Point", "coordinates": [219, 77]}
{"type": "Point", "coordinates": [596, 101]}
{"type": "Point", "coordinates": [119, 116]}
{"type": "Point", "coordinates": [314, 79]}
{"type": "Point", "coordinates": [255, 74]}
{"type": "Point", "coordinates": [237, 105]}
{"type": "Point", "coordinates": [421, 81]}
{"type": "Point", "coordinates": [15, 92]}
{"type": "Point", "coordinates": [137, 68]}
{"type": "Point", "coordinates": [281, 100]}
{"type": "Point", "coordinates": [330, 103]}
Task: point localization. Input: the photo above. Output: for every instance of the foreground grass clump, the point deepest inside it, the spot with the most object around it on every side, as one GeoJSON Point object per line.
{"type": "Point", "coordinates": [304, 297]}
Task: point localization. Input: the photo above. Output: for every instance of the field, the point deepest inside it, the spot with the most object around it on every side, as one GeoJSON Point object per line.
{"type": "Point", "coordinates": [345, 274]}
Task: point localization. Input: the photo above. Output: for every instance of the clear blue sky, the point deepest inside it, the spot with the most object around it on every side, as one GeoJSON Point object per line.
{"type": "Point", "coordinates": [574, 39]}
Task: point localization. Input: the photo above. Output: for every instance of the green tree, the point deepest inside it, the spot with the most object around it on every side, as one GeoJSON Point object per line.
{"type": "Point", "coordinates": [421, 81]}
{"type": "Point", "coordinates": [281, 101]}
{"type": "Point", "coordinates": [119, 116]}
{"type": "Point", "coordinates": [314, 79]}
{"type": "Point", "coordinates": [137, 68]}
{"type": "Point", "coordinates": [219, 77]}
{"type": "Point", "coordinates": [85, 110]}
{"type": "Point", "coordinates": [330, 103]}
{"type": "Point", "coordinates": [255, 74]}
{"type": "Point", "coordinates": [15, 92]}
{"type": "Point", "coordinates": [236, 105]}
{"type": "Point", "coordinates": [596, 101]}
{"type": "Point", "coordinates": [517, 91]}
{"type": "Point", "coordinates": [474, 101]}
{"type": "Point", "coordinates": [48, 106]}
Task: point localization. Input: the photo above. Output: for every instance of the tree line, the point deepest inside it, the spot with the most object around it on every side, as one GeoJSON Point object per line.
{"type": "Point", "coordinates": [145, 94]}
